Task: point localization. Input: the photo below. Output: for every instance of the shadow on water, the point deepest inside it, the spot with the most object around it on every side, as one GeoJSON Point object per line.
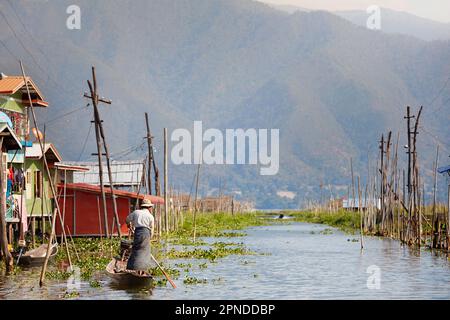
{"type": "Point", "coordinates": [132, 290]}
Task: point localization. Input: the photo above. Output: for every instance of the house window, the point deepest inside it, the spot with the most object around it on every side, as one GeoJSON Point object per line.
{"type": "Point", "coordinates": [38, 184]}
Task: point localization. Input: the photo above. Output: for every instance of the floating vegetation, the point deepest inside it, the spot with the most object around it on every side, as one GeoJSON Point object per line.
{"type": "Point", "coordinates": [219, 224]}
{"type": "Point", "coordinates": [224, 244]}
{"type": "Point", "coordinates": [184, 241]}
{"type": "Point", "coordinates": [192, 280]}
{"type": "Point", "coordinates": [58, 275]}
{"type": "Point", "coordinates": [161, 282]}
{"type": "Point", "coordinates": [156, 272]}
{"type": "Point", "coordinates": [203, 265]}
{"type": "Point", "coordinates": [183, 265]}
{"type": "Point", "coordinates": [345, 220]}
{"type": "Point", "coordinates": [94, 284]}
{"type": "Point", "coordinates": [231, 234]}
{"type": "Point", "coordinates": [71, 295]}
{"type": "Point", "coordinates": [210, 254]}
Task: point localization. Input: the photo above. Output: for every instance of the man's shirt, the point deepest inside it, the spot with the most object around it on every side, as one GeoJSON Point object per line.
{"type": "Point", "coordinates": [142, 218]}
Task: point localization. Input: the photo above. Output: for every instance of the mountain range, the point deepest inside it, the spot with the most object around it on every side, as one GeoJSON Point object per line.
{"type": "Point", "coordinates": [331, 87]}
{"type": "Point", "coordinates": [391, 22]}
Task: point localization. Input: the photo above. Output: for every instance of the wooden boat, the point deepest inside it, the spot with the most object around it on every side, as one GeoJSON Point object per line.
{"type": "Point", "coordinates": [36, 257]}
{"type": "Point", "coordinates": [117, 270]}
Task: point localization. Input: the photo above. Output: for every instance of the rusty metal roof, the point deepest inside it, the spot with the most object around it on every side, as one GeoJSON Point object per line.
{"type": "Point", "coordinates": [119, 193]}
{"type": "Point", "coordinates": [12, 84]}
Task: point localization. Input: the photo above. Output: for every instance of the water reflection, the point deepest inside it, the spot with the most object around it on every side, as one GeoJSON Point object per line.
{"type": "Point", "coordinates": [295, 261]}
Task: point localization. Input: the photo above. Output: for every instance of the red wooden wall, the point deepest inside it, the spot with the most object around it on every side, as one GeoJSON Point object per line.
{"type": "Point", "coordinates": [81, 213]}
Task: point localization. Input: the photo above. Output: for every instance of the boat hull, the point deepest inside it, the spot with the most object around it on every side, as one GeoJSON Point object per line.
{"type": "Point", "coordinates": [121, 277]}
{"type": "Point", "coordinates": [36, 257]}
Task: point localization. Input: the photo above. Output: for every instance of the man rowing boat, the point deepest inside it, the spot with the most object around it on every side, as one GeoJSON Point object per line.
{"type": "Point", "coordinates": [143, 223]}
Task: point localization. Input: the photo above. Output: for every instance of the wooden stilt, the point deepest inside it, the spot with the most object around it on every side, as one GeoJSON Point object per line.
{"type": "Point", "coordinates": [3, 235]}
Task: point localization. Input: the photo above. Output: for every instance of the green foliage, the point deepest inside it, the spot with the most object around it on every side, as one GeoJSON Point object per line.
{"type": "Point", "coordinates": [95, 254]}
{"type": "Point", "coordinates": [347, 221]}
{"type": "Point", "coordinates": [214, 224]}
{"type": "Point", "coordinates": [210, 254]}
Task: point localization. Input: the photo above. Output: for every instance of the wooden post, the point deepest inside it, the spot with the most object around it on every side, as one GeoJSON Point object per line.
{"type": "Point", "coordinates": [448, 221]}
{"type": "Point", "coordinates": [99, 158]}
{"type": "Point", "coordinates": [360, 213]}
{"type": "Point", "coordinates": [111, 185]}
{"type": "Point", "coordinates": [33, 231]}
{"type": "Point", "coordinates": [151, 160]}
{"type": "Point", "coordinates": [3, 238]}
{"type": "Point", "coordinates": [57, 210]}
{"type": "Point", "coordinates": [382, 190]}
{"type": "Point", "coordinates": [232, 205]}
{"type": "Point", "coordinates": [141, 182]}
{"type": "Point", "coordinates": [196, 197]}
{"type": "Point", "coordinates": [416, 185]}
{"type": "Point", "coordinates": [100, 132]}
{"type": "Point", "coordinates": [409, 186]}
{"type": "Point", "coordinates": [64, 199]}
{"type": "Point", "coordinates": [42, 195]}
{"type": "Point", "coordinates": [387, 191]}
{"type": "Point", "coordinates": [353, 181]}
{"type": "Point", "coordinates": [166, 181]}
{"type": "Point", "coordinates": [150, 154]}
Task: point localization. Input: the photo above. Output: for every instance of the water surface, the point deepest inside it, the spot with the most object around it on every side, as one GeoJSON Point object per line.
{"type": "Point", "coordinates": [294, 261]}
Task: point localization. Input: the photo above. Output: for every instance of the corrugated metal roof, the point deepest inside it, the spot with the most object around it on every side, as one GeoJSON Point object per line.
{"type": "Point", "coordinates": [119, 193]}
{"type": "Point", "coordinates": [12, 84]}
{"type": "Point", "coordinates": [62, 166]}
{"type": "Point", "coordinates": [124, 173]}
{"type": "Point", "coordinates": [444, 169]}
{"type": "Point", "coordinates": [35, 151]}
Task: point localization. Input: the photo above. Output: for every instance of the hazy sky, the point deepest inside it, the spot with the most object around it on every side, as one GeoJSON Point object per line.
{"type": "Point", "coordinates": [438, 10]}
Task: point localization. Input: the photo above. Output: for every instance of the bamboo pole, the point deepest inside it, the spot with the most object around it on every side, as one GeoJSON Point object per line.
{"type": "Point", "coordinates": [150, 153]}
{"type": "Point", "coordinates": [353, 180]}
{"type": "Point", "coordinates": [166, 181]}
{"type": "Point", "coordinates": [99, 131]}
{"type": "Point", "coordinates": [99, 156]}
{"type": "Point", "coordinates": [360, 214]}
{"type": "Point", "coordinates": [57, 210]}
{"type": "Point", "coordinates": [196, 197]}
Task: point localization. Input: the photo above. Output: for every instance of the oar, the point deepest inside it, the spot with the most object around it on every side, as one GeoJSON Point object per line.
{"type": "Point", "coordinates": [165, 274]}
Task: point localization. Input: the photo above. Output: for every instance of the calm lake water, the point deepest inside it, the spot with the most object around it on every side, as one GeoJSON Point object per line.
{"type": "Point", "coordinates": [295, 261]}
